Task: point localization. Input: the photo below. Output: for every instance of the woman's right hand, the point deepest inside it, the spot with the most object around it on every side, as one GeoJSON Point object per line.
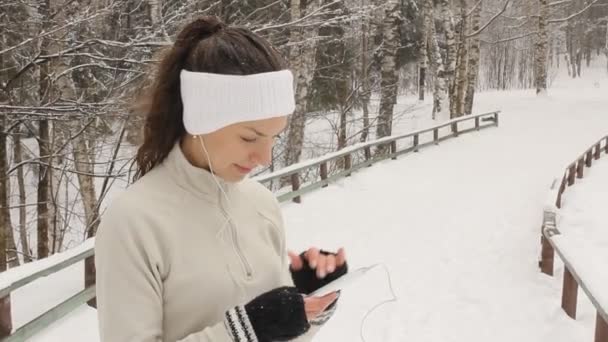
{"type": "Point", "coordinates": [316, 305]}
{"type": "Point", "coordinates": [281, 314]}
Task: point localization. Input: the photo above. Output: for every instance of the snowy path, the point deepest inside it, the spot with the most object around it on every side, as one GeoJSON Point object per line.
{"type": "Point", "coordinates": [457, 226]}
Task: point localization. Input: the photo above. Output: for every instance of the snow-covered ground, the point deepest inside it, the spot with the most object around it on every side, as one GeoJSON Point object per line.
{"type": "Point", "coordinates": [457, 227]}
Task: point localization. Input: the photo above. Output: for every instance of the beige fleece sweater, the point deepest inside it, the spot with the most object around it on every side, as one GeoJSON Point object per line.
{"type": "Point", "coordinates": [172, 255]}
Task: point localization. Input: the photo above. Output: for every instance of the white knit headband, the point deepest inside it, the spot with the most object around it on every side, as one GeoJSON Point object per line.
{"type": "Point", "coordinates": [213, 101]}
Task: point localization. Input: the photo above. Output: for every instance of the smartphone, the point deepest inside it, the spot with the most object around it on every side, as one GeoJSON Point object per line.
{"type": "Point", "coordinates": [343, 281]}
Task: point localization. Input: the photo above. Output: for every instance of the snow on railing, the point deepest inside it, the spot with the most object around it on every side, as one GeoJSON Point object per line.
{"type": "Point", "coordinates": [23, 275]}
{"type": "Point", "coordinates": [552, 241]}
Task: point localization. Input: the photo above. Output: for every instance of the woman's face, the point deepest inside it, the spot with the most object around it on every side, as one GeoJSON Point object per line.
{"type": "Point", "coordinates": [237, 149]}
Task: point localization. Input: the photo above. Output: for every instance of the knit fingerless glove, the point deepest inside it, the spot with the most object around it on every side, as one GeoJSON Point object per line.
{"type": "Point", "coordinates": [306, 279]}
{"type": "Point", "coordinates": [277, 315]}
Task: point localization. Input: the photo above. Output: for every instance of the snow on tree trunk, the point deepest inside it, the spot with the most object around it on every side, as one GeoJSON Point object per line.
{"type": "Point", "coordinates": [447, 20]}
{"type": "Point", "coordinates": [302, 58]}
{"type": "Point", "coordinates": [540, 52]}
{"type": "Point", "coordinates": [473, 68]}
{"type": "Point", "coordinates": [389, 72]}
{"type": "Point", "coordinates": [459, 85]}
{"type": "Point", "coordinates": [435, 61]}
{"type": "Point", "coordinates": [422, 67]}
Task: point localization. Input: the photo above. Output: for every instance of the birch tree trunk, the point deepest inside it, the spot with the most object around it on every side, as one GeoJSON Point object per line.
{"type": "Point", "coordinates": [459, 84]}
{"type": "Point", "coordinates": [84, 166]}
{"type": "Point", "coordinates": [302, 56]}
{"type": "Point", "coordinates": [390, 74]}
{"type": "Point", "coordinates": [473, 67]}
{"type": "Point", "coordinates": [448, 27]}
{"type": "Point", "coordinates": [18, 156]}
{"type": "Point", "coordinates": [435, 61]}
{"type": "Point", "coordinates": [540, 51]}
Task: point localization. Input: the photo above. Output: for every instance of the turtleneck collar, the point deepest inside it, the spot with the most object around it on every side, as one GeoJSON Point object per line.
{"type": "Point", "coordinates": [197, 180]}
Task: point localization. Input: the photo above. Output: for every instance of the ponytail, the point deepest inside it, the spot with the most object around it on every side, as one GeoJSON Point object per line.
{"type": "Point", "coordinates": [163, 109]}
{"type": "Point", "coordinates": [204, 45]}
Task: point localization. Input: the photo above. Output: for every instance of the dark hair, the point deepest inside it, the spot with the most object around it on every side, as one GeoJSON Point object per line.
{"type": "Point", "coordinates": [203, 45]}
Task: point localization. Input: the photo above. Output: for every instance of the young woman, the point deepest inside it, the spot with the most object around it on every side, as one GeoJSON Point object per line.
{"type": "Point", "coordinates": [194, 251]}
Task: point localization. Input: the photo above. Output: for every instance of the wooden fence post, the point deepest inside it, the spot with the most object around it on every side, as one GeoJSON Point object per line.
{"type": "Point", "coordinates": [547, 256]}
{"type": "Point", "coordinates": [477, 123]}
{"type": "Point", "coordinates": [597, 151]}
{"type": "Point", "coordinates": [368, 153]}
{"type": "Point", "coordinates": [562, 188]}
{"type": "Point", "coordinates": [394, 148]}
{"type": "Point", "coordinates": [89, 278]}
{"type": "Point", "coordinates": [455, 128]}
{"type": "Point", "coordinates": [601, 329]}
{"type": "Point", "coordinates": [295, 185]}
{"type": "Point", "coordinates": [347, 163]}
{"type": "Point", "coordinates": [589, 158]}
{"type": "Point", "coordinates": [436, 136]}
{"type": "Point", "coordinates": [6, 320]}
{"type": "Point", "coordinates": [571, 174]}
{"type": "Point", "coordinates": [416, 142]}
{"type": "Point", "coordinates": [496, 118]}
{"type": "Point", "coordinates": [323, 171]}
{"type": "Point", "coordinates": [606, 145]}
{"type": "Point", "coordinates": [579, 168]}
{"type": "Point", "coordinates": [569, 294]}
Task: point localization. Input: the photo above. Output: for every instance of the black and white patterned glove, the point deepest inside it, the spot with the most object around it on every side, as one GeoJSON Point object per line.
{"type": "Point", "coordinates": [277, 315]}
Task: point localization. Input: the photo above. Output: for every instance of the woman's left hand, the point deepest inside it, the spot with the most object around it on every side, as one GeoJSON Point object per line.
{"type": "Point", "coordinates": [314, 268]}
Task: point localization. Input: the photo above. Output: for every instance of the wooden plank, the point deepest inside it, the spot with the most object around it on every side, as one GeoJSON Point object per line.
{"type": "Point", "coordinates": [45, 272]}
{"type": "Point", "coordinates": [601, 329]}
{"type": "Point", "coordinates": [319, 184]}
{"type": "Point", "coordinates": [569, 294]}
{"type": "Point", "coordinates": [572, 270]}
{"type": "Point", "coordinates": [386, 140]}
{"type": "Point", "coordinates": [46, 319]}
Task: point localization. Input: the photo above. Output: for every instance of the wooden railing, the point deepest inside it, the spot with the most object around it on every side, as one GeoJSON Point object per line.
{"type": "Point", "coordinates": [347, 158]}
{"type": "Point", "coordinates": [572, 279]}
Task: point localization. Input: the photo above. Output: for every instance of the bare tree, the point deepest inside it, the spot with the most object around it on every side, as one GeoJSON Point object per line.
{"type": "Point", "coordinates": [474, 53]}
{"type": "Point", "coordinates": [389, 72]}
